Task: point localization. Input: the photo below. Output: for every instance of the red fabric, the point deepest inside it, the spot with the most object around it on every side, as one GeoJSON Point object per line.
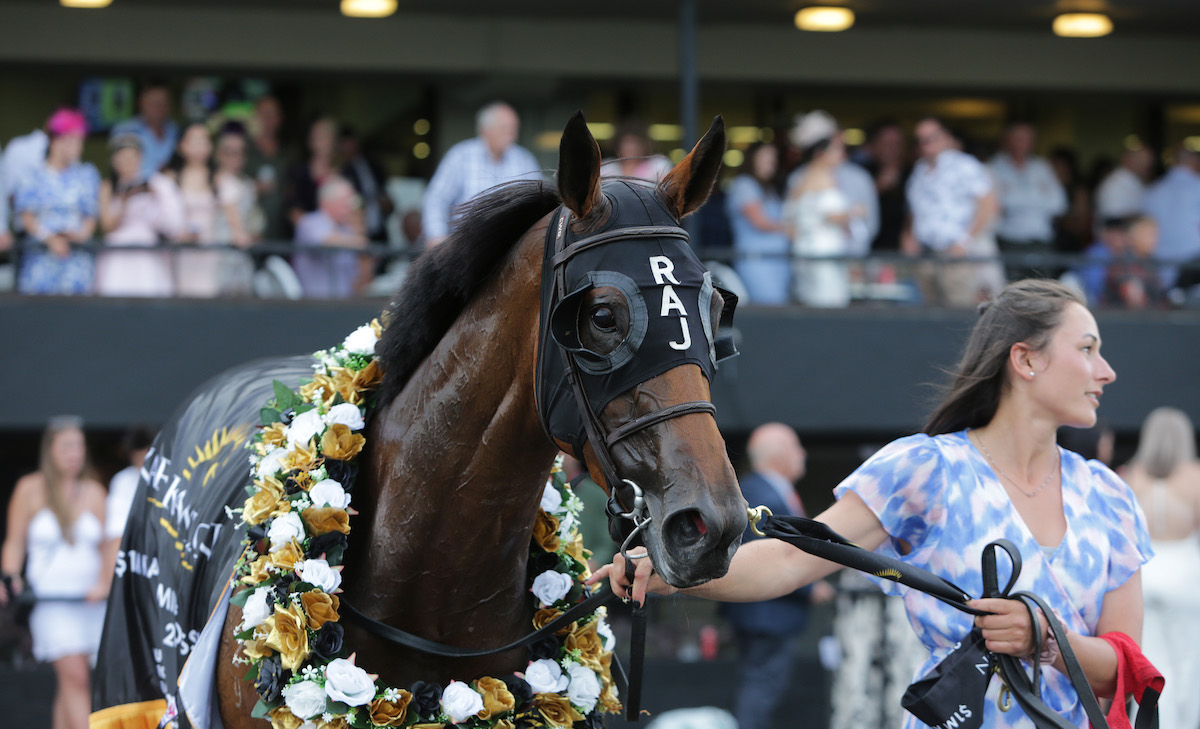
{"type": "Point", "coordinates": [1134, 675]}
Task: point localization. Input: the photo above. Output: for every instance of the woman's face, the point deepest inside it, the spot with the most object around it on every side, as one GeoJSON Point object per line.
{"type": "Point", "coordinates": [231, 153]}
{"type": "Point", "coordinates": [68, 452]}
{"type": "Point", "coordinates": [322, 137]}
{"type": "Point", "coordinates": [196, 146]}
{"type": "Point", "coordinates": [66, 149]}
{"type": "Point", "coordinates": [835, 153]}
{"type": "Point", "coordinates": [127, 162]}
{"type": "Point", "coordinates": [1070, 372]}
{"type": "Point", "coordinates": [765, 162]}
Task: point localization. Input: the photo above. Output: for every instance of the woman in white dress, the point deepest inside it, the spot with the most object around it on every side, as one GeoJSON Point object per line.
{"type": "Point", "coordinates": [820, 216]}
{"type": "Point", "coordinates": [55, 529]}
{"type": "Point", "coordinates": [1165, 476]}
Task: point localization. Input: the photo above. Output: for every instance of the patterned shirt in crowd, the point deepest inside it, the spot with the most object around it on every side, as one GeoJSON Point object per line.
{"type": "Point", "coordinates": [60, 201]}
{"type": "Point", "coordinates": [156, 150]}
{"type": "Point", "coordinates": [467, 170]}
{"type": "Point", "coordinates": [939, 495]}
{"type": "Point", "coordinates": [1030, 198]}
{"type": "Point", "coordinates": [944, 197]}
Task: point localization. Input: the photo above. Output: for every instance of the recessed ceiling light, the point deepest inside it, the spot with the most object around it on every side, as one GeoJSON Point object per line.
{"type": "Point", "coordinates": [85, 3]}
{"type": "Point", "coordinates": [1082, 25]}
{"type": "Point", "coordinates": [368, 8]}
{"type": "Point", "coordinates": [825, 19]}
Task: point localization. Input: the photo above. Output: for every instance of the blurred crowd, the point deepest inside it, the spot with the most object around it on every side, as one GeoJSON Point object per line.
{"type": "Point", "coordinates": [943, 219]}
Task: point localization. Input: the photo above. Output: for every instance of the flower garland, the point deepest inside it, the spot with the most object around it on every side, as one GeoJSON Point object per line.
{"type": "Point", "coordinates": [303, 469]}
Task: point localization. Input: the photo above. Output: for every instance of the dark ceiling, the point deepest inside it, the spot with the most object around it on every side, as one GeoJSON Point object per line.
{"type": "Point", "coordinates": [1140, 17]}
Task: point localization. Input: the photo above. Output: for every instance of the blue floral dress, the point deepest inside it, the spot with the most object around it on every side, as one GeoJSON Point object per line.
{"type": "Point", "coordinates": [60, 201]}
{"type": "Point", "coordinates": [941, 496]}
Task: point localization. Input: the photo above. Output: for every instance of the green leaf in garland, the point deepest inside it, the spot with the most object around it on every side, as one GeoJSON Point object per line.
{"type": "Point", "coordinates": [252, 673]}
{"type": "Point", "coordinates": [261, 709]}
{"type": "Point", "coordinates": [334, 555]}
{"type": "Point", "coordinates": [246, 634]}
{"type": "Point", "coordinates": [284, 396]}
{"type": "Point", "coordinates": [268, 416]}
{"type": "Point", "coordinates": [304, 407]}
{"type": "Point", "coordinates": [240, 597]}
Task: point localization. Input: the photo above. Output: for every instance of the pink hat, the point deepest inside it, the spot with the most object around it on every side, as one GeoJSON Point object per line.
{"type": "Point", "coordinates": [66, 121]}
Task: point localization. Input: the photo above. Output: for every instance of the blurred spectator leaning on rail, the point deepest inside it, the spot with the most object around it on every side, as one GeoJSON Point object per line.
{"type": "Point", "coordinates": [1120, 193]}
{"type": "Point", "coordinates": [153, 126]}
{"type": "Point", "coordinates": [58, 204]}
{"type": "Point", "coordinates": [337, 223]}
{"type": "Point", "coordinates": [196, 272]}
{"type": "Point", "coordinates": [1165, 477]}
{"type": "Point", "coordinates": [306, 177]}
{"type": "Point", "coordinates": [1174, 203]}
{"type": "Point", "coordinates": [760, 237]}
{"type": "Point", "coordinates": [267, 163]}
{"type": "Point", "coordinates": [55, 527]}
{"type": "Point", "coordinates": [136, 212]}
{"type": "Point", "coordinates": [1132, 280]}
{"type": "Point", "coordinates": [238, 221]}
{"type": "Point", "coordinates": [885, 158]}
{"type": "Point", "coordinates": [952, 204]}
{"type": "Point", "coordinates": [1030, 198]}
{"type": "Point", "coordinates": [635, 156]}
{"type": "Point", "coordinates": [23, 156]}
{"type": "Point", "coordinates": [474, 165]}
{"type": "Point", "coordinates": [369, 181]}
{"type": "Point", "coordinates": [827, 210]}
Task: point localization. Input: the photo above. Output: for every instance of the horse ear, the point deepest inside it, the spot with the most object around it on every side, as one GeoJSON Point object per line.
{"type": "Point", "coordinates": [686, 187]}
{"type": "Point", "coordinates": [578, 167]}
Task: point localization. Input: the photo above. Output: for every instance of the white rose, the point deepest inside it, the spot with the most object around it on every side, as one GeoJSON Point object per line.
{"type": "Point", "coordinates": [305, 699]}
{"type": "Point", "coordinates": [585, 688]}
{"type": "Point", "coordinates": [551, 499]}
{"type": "Point", "coordinates": [303, 427]}
{"type": "Point", "coordinates": [566, 526]}
{"type": "Point", "coordinates": [545, 676]}
{"type": "Point", "coordinates": [258, 608]}
{"type": "Point", "coordinates": [603, 629]}
{"type": "Point", "coordinates": [285, 528]}
{"type": "Point", "coordinates": [551, 586]}
{"type": "Point", "coordinates": [348, 683]}
{"type": "Point", "coordinates": [329, 493]}
{"type": "Point", "coordinates": [346, 414]}
{"type": "Point", "coordinates": [460, 701]}
{"type": "Point", "coordinates": [270, 463]}
{"type": "Point", "coordinates": [318, 573]}
{"type": "Point", "coordinates": [361, 341]}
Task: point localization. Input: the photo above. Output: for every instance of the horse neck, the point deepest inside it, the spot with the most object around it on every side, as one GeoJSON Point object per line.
{"type": "Point", "coordinates": [457, 468]}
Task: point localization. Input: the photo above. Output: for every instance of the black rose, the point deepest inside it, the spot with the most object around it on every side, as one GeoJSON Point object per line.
{"type": "Point", "coordinates": [547, 647]}
{"type": "Point", "coordinates": [341, 471]}
{"type": "Point", "coordinates": [283, 587]}
{"type": "Point", "coordinates": [271, 679]}
{"type": "Point", "coordinates": [519, 688]}
{"type": "Point", "coordinates": [333, 543]}
{"type": "Point", "coordinates": [426, 698]}
{"type": "Point", "coordinates": [327, 644]}
{"type": "Point", "coordinates": [291, 487]}
{"type": "Point", "coordinates": [528, 720]}
{"type": "Point", "coordinates": [591, 721]}
{"type": "Point", "coordinates": [256, 533]}
{"type": "Point", "coordinates": [543, 562]}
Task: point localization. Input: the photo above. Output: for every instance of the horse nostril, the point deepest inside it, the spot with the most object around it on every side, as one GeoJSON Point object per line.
{"type": "Point", "coordinates": [686, 528]}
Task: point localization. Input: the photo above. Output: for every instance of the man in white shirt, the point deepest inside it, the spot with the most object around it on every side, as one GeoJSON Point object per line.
{"type": "Point", "coordinates": [1120, 193]}
{"type": "Point", "coordinates": [153, 126]}
{"type": "Point", "coordinates": [1174, 203]}
{"type": "Point", "coordinates": [23, 156]}
{"type": "Point", "coordinates": [952, 204]}
{"type": "Point", "coordinates": [475, 165]}
{"type": "Point", "coordinates": [1030, 197]}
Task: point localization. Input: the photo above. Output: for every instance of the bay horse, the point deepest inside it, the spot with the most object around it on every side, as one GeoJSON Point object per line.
{"type": "Point", "coordinates": [457, 454]}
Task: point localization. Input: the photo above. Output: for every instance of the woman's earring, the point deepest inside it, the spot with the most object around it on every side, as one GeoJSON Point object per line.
{"type": "Point", "coordinates": [1032, 373]}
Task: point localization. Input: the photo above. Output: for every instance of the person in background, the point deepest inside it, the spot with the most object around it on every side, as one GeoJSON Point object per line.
{"type": "Point", "coordinates": [1132, 282]}
{"type": "Point", "coordinates": [267, 164]}
{"type": "Point", "coordinates": [55, 527]}
{"type": "Point", "coordinates": [58, 204]}
{"type": "Point", "coordinates": [472, 166]}
{"type": "Point", "coordinates": [121, 491]}
{"type": "Point", "coordinates": [885, 158]}
{"type": "Point", "coordinates": [1165, 476]}
{"type": "Point", "coordinates": [1120, 193]}
{"type": "Point", "coordinates": [23, 156]}
{"type": "Point", "coordinates": [369, 181]}
{"type": "Point", "coordinates": [158, 133]}
{"type": "Point", "coordinates": [1111, 245]}
{"type": "Point", "coordinates": [986, 467]}
{"type": "Point", "coordinates": [764, 631]}
{"type": "Point", "coordinates": [1096, 442]}
{"type": "Point", "coordinates": [760, 237]}
{"type": "Point", "coordinates": [136, 212]}
{"type": "Point", "coordinates": [635, 156]}
{"type": "Point", "coordinates": [1174, 203]}
{"type": "Point", "coordinates": [953, 205]}
{"type": "Point", "coordinates": [197, 273]}
{"type": "Point", "coordinates": [237, 220]}
{"type": "Point", "coordinates": [306, 178]}
{"type": "Point", "coordinates": [337, 223]}
{"type": "Point", "coordinates": [1030, 198]}
{"type": "Point", "coordinates": [1073, 229]}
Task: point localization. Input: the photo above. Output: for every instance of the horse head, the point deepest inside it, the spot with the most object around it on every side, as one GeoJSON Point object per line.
{"type": "Point", "coordinates": [635, 316]}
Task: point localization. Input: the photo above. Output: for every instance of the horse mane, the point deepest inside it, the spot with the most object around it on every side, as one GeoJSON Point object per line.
{"type": "Point", "coordinates": [441, 281]}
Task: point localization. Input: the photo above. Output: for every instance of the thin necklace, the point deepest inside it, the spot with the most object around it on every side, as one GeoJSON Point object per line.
{"type": "Point", "coordinates": [1011, 480]}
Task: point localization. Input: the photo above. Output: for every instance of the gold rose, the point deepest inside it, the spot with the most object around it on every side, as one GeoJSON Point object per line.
{"type": "Point", "coordinates": [320, 608]}
{"type": "Point", "coordinates": [545, 532]}
{"type": "Point", "coordinates": [340, 443]}
{"type": "Point", "coordinates": [497, 699]}
{"type": "Point", "coordinates": [325, 519]}
{"type": "Point", "coordinates": [289, 636]}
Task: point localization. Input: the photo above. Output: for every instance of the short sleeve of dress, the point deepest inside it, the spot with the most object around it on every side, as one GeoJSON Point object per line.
{"type": "Point", "coordinates": [977, 177]}
{"type": "Point", "coordinates": [1128, 537]}
{"type": "Point", "coordinates": [906, 486]}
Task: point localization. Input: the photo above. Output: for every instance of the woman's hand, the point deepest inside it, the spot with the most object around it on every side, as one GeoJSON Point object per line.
{"type": "Point", "coordinates": [59, 245]}
{"type": "Point", "coordinates": [1008, 630]}
{"type": "Point", "coordinates": [11, 587]}
{"type": "Point", "coordinates": [645, 579]}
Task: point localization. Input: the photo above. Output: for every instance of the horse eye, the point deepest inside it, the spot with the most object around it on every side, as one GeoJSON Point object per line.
{"type": "Point", "coordinates": [604, 319]}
